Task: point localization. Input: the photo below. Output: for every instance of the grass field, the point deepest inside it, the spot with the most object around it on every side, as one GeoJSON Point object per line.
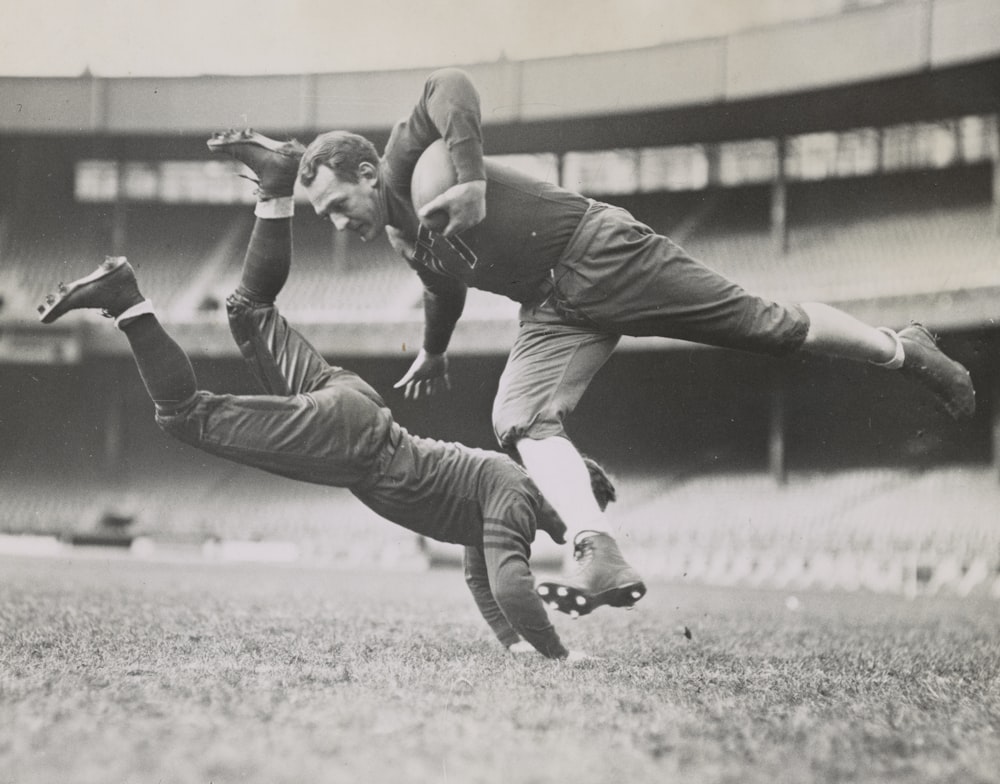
{"type": "Point", "coordinates": [117, 671]}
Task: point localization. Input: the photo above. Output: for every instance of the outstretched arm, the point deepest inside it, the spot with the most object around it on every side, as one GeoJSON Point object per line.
{"type": "Point", "coordinates": [444, 301]}
{"type": "Point", "coordinates": [507, 532]}
{"type": "Point", "coordinates": [514, 590]}
{"type": "Point", "coordinates": [479, 584]}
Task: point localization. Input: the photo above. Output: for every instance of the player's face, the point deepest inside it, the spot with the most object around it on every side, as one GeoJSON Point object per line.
{"type": "Point", "coordinates": [354, 206]}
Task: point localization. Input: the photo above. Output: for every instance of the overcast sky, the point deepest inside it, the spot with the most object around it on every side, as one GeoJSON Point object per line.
{"type": "Point", "coordinates": [185, 37]}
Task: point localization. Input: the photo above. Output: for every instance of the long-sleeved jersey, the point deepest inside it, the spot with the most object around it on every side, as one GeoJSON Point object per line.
{"type": "Point", "coordinates": [485, 501]}
{"type": "Point", "coordinates": [528, 224]}
{"type": "Point", "coordinates": [326, 425]}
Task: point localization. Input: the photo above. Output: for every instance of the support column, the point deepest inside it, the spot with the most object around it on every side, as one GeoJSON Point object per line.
{"type": "Point", "coordinates": [777, 431]}
{"type": "Point", "coordinates": [996, 174]}
{"type": "Point", "coordinates": [119, 221]}
{"type": "Point", "coordinates": [779, 198]}
{"type": "Point", "coordinates": [113, 452]}
{"type": "Point", "coordinates": [995, 419]}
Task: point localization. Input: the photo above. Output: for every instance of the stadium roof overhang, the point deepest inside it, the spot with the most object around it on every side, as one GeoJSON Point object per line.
{"type": "Point", "coordinates": [927, 96]}
{"type": "Point", "coordinates": [971, 88]}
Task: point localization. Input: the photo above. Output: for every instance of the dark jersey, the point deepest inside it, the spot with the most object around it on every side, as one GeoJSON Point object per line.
{"type": "Point", "coordinates": [485, 501]}
{"type": "Point", "coordinates": [528, 224]}
{"type": "Point", "coordinates": [326, 425]}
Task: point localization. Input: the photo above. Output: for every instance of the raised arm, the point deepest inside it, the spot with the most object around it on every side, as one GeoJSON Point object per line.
{"type": "Point", "coordinates": [448, 109]}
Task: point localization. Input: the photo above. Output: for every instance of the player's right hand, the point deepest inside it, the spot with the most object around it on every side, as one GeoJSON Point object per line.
{"type": "Point", "coordinates": [428, 375]}
{"type": "Point", "coordinates": [464, 204]}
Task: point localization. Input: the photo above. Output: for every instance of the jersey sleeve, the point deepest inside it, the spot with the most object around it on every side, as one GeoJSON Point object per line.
{"type": "Point", "coordinates": [479, 584]}
{"type": "Point", "coordinates": [448, 108]}
{"type": "Point", "coordinates": [506, 550]}
{"type": "Point", "coordinates": [444, 302]}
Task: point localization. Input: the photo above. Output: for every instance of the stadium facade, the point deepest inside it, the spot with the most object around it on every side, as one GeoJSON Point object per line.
{"type": "Point", "coordinates": [868, 177]}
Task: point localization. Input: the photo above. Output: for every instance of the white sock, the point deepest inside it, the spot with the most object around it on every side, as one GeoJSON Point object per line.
{"type": "Point", "coordinates": [141, 309]}
{"type": "Point", "coordinates": [897, 359]}
{"type": "Point", "coordinates": [282, 207]}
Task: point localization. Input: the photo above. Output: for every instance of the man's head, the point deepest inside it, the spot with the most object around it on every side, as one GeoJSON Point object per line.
{"type": "Point", "coordinates": [339, 173]}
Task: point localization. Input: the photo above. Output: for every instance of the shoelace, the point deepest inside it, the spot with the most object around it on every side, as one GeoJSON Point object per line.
{"type": "Point", "coordinates": [583, 552]}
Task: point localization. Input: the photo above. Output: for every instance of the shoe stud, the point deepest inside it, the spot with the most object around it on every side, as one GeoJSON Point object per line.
{"type": "Point", "coordinates": [581, 600]}
{"type": "Point", "coordinates": [552, 605]}
{"type": "Point", "coordinates": [50, 299]}
{"type": "Point", "coordinates": [562, 591]}
{"type": "Point", "coordinates": [574, 614]}
{"type": "Point", "coordinates": [543, 590]}
{"type": "Point", "coordinates": [637, 595]}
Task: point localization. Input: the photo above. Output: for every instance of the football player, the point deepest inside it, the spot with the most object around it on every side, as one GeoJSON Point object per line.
{"type": "Point", "coordinates": [320, 423]}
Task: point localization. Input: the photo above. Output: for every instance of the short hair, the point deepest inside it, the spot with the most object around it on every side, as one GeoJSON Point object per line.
{"type": "Point", "coordinates": [600, 483]}
{"type": "Point", "coordinates": [342, 151]}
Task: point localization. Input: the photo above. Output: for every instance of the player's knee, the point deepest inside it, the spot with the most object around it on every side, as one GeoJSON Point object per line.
{"type": "Point", "coordinates": [177, 419]}
{"type": "Point", "coordinates": [511, 425]}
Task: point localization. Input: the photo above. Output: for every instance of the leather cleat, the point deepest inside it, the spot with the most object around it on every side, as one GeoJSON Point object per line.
{"type": "Point", "coordinates": [603, 577]}
{"type": "Point", "coordinates": [944, 377]}
{"type": "Point", "coordinates": [112, 287]}
{"type": "Point", "coordinates": [275, 163]}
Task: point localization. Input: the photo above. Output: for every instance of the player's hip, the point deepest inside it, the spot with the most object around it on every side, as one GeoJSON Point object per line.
{"type": "Point", "coordinates": [619, 276]}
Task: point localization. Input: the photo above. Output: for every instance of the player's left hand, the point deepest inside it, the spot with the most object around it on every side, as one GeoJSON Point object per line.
{"type": "Point", "coordinates": [521, 648]}
{"type": "Point", "coordinates": [579, 657]}
{"type": "Point", "coordinates": [428, 375]}
{"type": "Point", "coordinates": [464, 203]}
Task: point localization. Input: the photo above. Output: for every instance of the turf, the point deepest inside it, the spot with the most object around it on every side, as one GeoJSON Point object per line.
{"type": "Point", "coordinates": [117, 671]}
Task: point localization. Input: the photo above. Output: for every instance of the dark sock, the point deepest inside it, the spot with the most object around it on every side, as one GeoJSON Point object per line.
{"type": "Point", "coordinates": [164, 366]}
{"type": "Point", "coordinates": [267, 260]}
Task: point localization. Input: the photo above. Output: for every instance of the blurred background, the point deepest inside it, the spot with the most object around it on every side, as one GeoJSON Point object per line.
{"type": "Point", "coordinates": [846, 151]}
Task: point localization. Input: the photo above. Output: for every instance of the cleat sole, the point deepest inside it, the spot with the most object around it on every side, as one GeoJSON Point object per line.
{"type": "Point", "coordinates": [569, 599]}
{"type": "Point", "coordinates": [220, 142]}
{"type": "Point", "coordinates": [61, 303]}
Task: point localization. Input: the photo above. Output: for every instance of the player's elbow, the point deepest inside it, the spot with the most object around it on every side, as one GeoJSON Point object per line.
{"type": "Point", "coordinates": [453, 82]}
{"type": "Point", "coordinates": [474, 581]}
{"type": "Point", "coordinates": [448, 76]}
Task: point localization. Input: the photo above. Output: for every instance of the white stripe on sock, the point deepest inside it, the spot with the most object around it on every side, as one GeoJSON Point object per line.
{"type": "Point", "coordinates": [141, 309]}
{"type": "Point", "coordinates": [282, 207]}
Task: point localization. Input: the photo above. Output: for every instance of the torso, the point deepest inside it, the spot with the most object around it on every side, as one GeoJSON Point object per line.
{"type": "Point", "coordinates": [527, 227]}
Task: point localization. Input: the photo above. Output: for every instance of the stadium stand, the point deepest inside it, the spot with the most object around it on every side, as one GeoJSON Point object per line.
{"type": "Point", "coordinates": [891, 236]}
{"type": "Point", "coordinates": [871, 517]}
{"type": "Point", "coordinates": [42, 246]}
{"type": "Point", "coordinates": [854, 239]}
{"type": "Point", "coordinates": [887, 530]}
